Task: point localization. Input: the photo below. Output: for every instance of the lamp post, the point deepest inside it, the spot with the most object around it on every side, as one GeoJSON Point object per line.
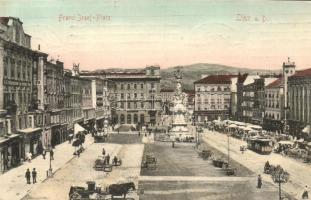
{"type": "Point", "coordinates": [228, 146]}
{"type": "Point", "coordinates": [280, 178]}
{"type": "Point", "coordinates": [50, 169]}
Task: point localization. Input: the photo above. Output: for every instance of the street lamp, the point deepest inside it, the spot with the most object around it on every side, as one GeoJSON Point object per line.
{"type": "Point", "coordinates": [280, 178]}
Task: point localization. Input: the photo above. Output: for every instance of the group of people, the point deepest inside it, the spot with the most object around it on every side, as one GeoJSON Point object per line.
{"type": "Point", "coordinates": [107, 158]}
{"type": "Point", "coordinates": [28, 175]}
{"type": "Point", "coordinates": [51, 154]}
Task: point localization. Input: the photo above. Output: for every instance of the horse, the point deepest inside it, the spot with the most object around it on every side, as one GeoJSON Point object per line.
{"type": "Point", "coordinates": [120, 189]}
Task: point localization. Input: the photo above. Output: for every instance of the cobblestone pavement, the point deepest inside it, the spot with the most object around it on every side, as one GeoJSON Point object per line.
{"type": "Point", "coordinates": [80, 170]}
{"type": "Point", "coordinates": [182, 175]}
{"type": "Point", "coordinates": [299, 172]}
{"type": "Point", "coordinates": [13, 183]}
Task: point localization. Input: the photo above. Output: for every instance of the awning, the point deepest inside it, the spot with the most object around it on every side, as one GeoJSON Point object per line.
{"type": "Point", "coordinates": [28, 130]}
{"type": "Point", "coordinates": [306, 129]}
{"type": "Point", "coordinates": [232, 126]}
{"type": "Point", "coordinates": [77, 128]}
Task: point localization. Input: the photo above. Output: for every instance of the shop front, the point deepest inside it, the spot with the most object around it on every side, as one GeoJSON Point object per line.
{"type": "Point", "coordinates": [59, 134]}
{"type": "Point", "coordinates": [32, 141]}
{"type": "Point", "coordinates": [10, 152]}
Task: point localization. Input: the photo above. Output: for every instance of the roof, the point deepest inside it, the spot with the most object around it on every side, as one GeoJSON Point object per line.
{"type": "Point", "coordinates": [241, 78]}
{"type": "Point", "coordinates": [167, 90]}
{"type": "Point", "coordinates": [302, 73]}
{"type": "Point", "coordinates": [275, 84]}
{"type": "Point", "coordinates": [4, 20]}
{"type": "Point", "coordinates": [250, 79]}
{"type": "Point", "coordinates": [216, 79]}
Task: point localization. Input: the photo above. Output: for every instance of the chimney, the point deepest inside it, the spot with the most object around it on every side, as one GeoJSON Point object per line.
{"type": "Point", "coordinates": [39, 47]}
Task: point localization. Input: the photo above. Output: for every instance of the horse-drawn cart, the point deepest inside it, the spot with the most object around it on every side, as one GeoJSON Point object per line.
{"type": "Point", "coordinates": [205, 154]}
{"type": "Point", "coordinates": [96, 193]}
{"type": "Point", "coordinates": [101, 164]}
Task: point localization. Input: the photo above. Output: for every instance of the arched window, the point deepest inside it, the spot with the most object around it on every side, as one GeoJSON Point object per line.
{"type": "Point", "coordinates": [122, 120]}
{"type": "Point", "coordinates": [142, 118]}
{"type": "Point", "coordinates": [129, 119]}
{"type": "Point", "coordinates": [135, 118]}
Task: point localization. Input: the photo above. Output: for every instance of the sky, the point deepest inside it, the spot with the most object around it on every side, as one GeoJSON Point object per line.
{"type": "Point", "coordinates": [101, 34]}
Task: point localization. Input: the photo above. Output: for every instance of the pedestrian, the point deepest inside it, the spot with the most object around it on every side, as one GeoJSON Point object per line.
{"type": "Point", "coordinates": [78, 153]}
{"type": "Point", "coordinates": [118, 131]}
{"type": "Point", "coordinates": [115, 160]}
{"type": "Point", "coordinates": [27, 175]}
{"type": "Point", "coordinates": [43, 154]}
{"type": "Point", "coordinates": [103, 152]}
{"type": "Point", "coordinates": [138, 133]}
{"type": "Point", "coordinates": [259, 181]}
{"type": "Point", "coordinates": [29, 156]}
{"type": "Point", "coordinates": [108, 159]}
{"type": "Point", "coordinates": [34, 176]}
{"type": "Point", "coordinates": [51, 154]}
{"type": "Point", "coordinates": [305, 194]}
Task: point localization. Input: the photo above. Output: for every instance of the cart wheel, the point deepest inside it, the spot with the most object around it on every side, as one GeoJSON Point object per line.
{"type": "Point", "coordinates": [75, 196]}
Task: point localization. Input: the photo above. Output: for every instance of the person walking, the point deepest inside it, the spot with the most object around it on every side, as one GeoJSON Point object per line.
{"type": "Point", "coordinates": [43, 154]}
{"type": "Point", "coordinates": [52, 154]}
{"type": "Point", "coordinates": [103, 152]}
{"type": "Point", "coordinates": [34, 176]}
{"type": "Point", "coordinates": [108, 159]}
{"type": "Point", "coordinates": [138, 133]}
{"type": "Point", "coordinates": [305, 194]}
{"type": "Point", "coordinates": [259, 182]}
{"type": "Point", "coordinates": [27, 175]}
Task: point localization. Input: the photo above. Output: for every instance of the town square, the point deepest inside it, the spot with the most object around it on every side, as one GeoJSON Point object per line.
{"type": "Point", "coordinates": [155, 100]}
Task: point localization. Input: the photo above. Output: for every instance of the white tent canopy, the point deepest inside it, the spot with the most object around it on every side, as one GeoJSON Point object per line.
{"type": "Point", "coordinates": [77, 128]}
{"type": "Point", "coordinates": [306, 129]}
{"type": "Point", "coordinates": [232, 126]}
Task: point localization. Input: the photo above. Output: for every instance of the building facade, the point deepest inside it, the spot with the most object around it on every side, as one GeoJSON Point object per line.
{"type": "Point", "coordinates": [18, 62]}
{"type": "Point", "coordinates": [274, 106]}
{"type": "Point", "coordinates": [212, 98]}
{"type": "Point", "coordinates": [299, 102]}
{"type": "Point", "coordinates": [137, 97]}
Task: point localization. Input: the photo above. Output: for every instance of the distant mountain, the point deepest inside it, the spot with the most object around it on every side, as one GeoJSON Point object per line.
{"type": "Point", "coordinates": [194, 72]}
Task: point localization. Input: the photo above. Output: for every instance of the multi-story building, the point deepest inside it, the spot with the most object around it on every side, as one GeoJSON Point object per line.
{"type": "Point", "coordinates": [212, 97]}
{"type": "Point", "coordinates": [88, 109]}
{"type": "Point", "coordinates": [99, 98]}
{"type": "Point", "coordinates": [54, 101]}
{"type": "Point", "coordinates": [299, 102]}
{"type": "Point", "coordinates": [243, 90]}
{"type": "Point", "coordinates": [137, 97]}
{"type": "Point", "coordinates": [253, 100]}
{"type": "Point", "coordinates": [274, 106]}
{"type": "Point", "coordinates": [18, 61]}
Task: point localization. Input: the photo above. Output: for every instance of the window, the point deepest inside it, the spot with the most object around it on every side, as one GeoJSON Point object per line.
{"type": "Point", "coordinates": [142, 95]}
{"type": "Point", "coordinates": [122, 87]}
{"type": "Point", "coordinates": [152, 85]}
{"type": "Point", "coordinates": [135, 95]}
{"type": "Point", "coordinates": [135, 118]}
{"type": "Point", "coordinates": [128, 105]}
{"type": "Point", "coordinates": [12, 68]}
{"type": "Point", "coordinates": [128, 86]}
{"type": "Point", "coordinates": [142, 86]}
{"type": "Point", "coordinates": [5, 66]}
{"type": "Point", "coordinates": [122, 105]}
{"type": "Point", "coordinates": [122, 119]}
{"type": "Point", "coordinates": [128, 96]}
{"type": "Point", "coordinates": [135, 86]}
{"type": "Point", "coordinates": [129, 118]}
{"type": "Point", "coordinates": [142, 104]}
{"type": "Point", "coordinates": [122, 96]}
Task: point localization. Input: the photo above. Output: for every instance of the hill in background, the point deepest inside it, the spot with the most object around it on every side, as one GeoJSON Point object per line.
{"type": "Point", "coordinates": [194, 72]}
